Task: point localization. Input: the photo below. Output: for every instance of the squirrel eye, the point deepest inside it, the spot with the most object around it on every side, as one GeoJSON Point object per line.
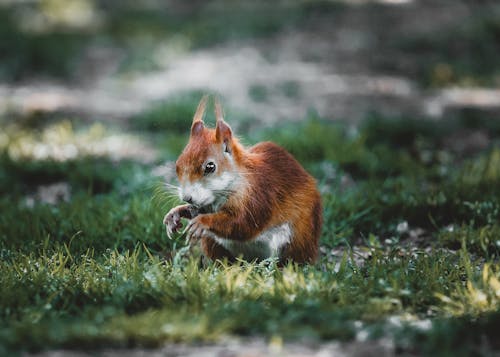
{"type": "Point", "coordinates": [209, 168]}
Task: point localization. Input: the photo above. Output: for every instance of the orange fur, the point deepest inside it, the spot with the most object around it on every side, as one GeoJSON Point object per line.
{"type": "Point", "coordinates": [275, 190]}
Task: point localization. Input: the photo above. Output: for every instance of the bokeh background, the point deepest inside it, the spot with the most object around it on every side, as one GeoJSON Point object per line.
{"type": "Point", "coordinates": [108, 60]}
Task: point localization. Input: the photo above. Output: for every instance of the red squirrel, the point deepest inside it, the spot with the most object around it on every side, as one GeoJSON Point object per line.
{"type": "Point", "coordinates": [254, 203]}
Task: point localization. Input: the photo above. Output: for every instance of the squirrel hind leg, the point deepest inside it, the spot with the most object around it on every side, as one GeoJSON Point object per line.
{"type": "Point", "coordinates": [214, 250]}
{"type": "Point", "coordinates": [304, 246]}
{"type": "Point", "coordinates": [301, 253]}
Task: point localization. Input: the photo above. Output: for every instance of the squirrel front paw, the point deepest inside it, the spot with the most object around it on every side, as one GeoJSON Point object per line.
{"type": "Point", "coordinates": [196, 230]}
{"type": "Point", "coordinates": [172, 219]}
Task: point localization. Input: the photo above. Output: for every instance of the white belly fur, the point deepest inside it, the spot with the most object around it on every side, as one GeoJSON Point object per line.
{"type": "Point", "coordinates": [266, 245]}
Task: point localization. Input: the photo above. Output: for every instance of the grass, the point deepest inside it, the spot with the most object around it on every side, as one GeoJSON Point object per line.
{"type": "Point", "coordinates": [97, 269]}
{"type": "Point", "coordinates": [160, 299]}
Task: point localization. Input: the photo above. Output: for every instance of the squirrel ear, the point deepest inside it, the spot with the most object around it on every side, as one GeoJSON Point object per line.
{"type": "Point", "coordinates": [197, 125]}
{"type": "Point", "coordinates": [197, 128]}
{"type": "Point", "coordinates": [223, 134]}
{"type": "Point", "coordinates": [223, 131]}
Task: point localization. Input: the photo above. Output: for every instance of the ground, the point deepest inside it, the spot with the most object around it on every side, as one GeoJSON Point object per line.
{"type": "Point", "coordinates": [392, 105]}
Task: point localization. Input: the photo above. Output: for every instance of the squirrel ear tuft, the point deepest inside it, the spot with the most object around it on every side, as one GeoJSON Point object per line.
{"type": "Point", "coordinates": [223, 131]}
{"type": "Point", "coordinates": [197, 126]}
{"type": "Point", "coordinates": [200, 111]}
{"type": "Point", "coordinates": [219, 113]}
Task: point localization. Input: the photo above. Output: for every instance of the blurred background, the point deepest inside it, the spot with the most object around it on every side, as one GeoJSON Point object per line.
{"type": "Point", "coordinates": [109, 60]}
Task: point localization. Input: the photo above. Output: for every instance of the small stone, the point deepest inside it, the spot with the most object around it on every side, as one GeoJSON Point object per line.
{"type": "Point", "coordinates": [402, 227]}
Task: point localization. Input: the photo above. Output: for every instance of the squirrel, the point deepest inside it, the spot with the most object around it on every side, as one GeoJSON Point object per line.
{"type": "Point", "coordinates": [252, 203]}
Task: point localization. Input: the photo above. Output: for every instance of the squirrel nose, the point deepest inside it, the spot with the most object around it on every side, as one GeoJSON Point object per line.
{"type": "Point", "coordinates": [187, 199]}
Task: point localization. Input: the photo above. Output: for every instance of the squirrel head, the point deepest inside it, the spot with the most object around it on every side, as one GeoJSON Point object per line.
{"type": "Point", "coordinates": [207, 168]}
